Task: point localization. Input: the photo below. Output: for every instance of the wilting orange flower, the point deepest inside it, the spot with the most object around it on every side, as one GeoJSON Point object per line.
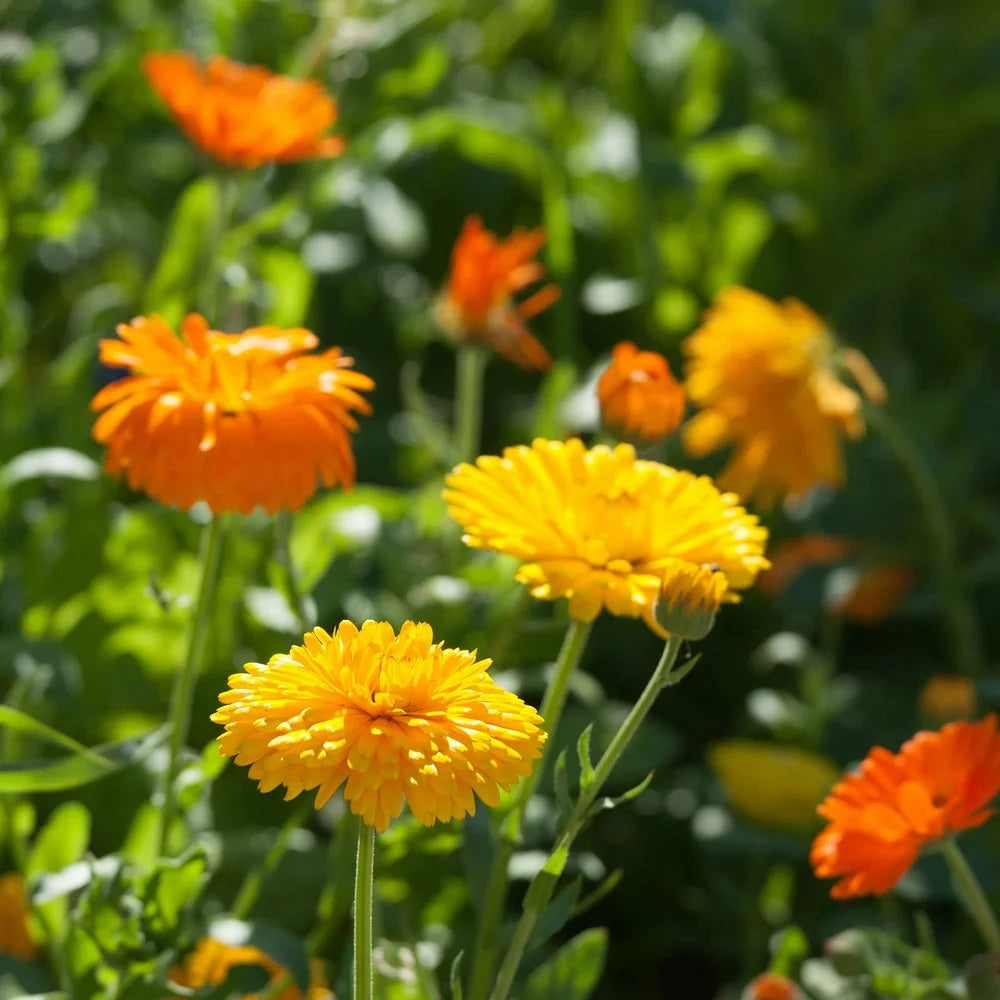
{"type": "Point", "coordinates": [765, 375]}
{"type": "Point", "coordinates": [608, 530]}
{"type": "Point", "coordinates": [477, 304]}
{"type": "Point", "coordinates": [236, 420]}
{"type": "Point", "coordinates": [15, 937]}
{"type": "Point", "coordinates": [883, 814]}
{"type": "Point", "coordinates": [771, 987]}
{"type": "Point", "coordinates": [639, 396]}
{"type": "Point", "coordinates": [791, 557]}
{"type": "Point", "coordinates": [875, 596]}
{"type": "Point", "coordinates": [946, 697]}
{"type": "Point", "coordinates": [241, 115]}
{"type": "Point", "coordinates": [394, 716]}
{"type": "Point", "coordinates": [211, 961]}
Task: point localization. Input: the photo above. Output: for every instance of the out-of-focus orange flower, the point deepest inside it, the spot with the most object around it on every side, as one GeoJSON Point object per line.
{"type": "Point", "coordinates": [237, 420]}
{"type": "Point", "coordinates": [875, 596]}
{"type": "Point", "coordinates": [767, 378]}
{"type": "Point", "coordinates": [946, 697]}
{"type": "Point", "coordinates": [639, 396]}
{"type": "Point", "coordinates": [794, 555]}
{"type": "Point", "coordinates": [15, 937]}
{"type": "Point", "coordinates": [883, 814]}
{"type": "Point", "coordinates": [211, 961]}
{"type": "Point", "coordinates": [241, 115]}
{"type": "Point", "coordinates": [771, 987]}
{"type": "Point", "coordinates": [477, 304]}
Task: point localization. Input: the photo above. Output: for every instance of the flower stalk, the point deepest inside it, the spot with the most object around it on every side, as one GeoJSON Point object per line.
{"type": "Point", "coordinates": [183, 691]}
{"type": "Point", "coordinates": [469, 374]}
{"type": "Point", "coordinates": [485, 945]}
{"type": "Point", "coordinates": [971, 893]}
{"type": "Point", "coordinates": [363, 906]}
{"type": "Point", "coordinates": [543, 885]}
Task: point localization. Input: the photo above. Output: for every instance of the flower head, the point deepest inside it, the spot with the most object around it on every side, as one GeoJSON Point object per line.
{"type": "Point", "coordinates": [765, 375]}
{"type": "Point", "coordinates": [15, 936]}
{"type": "Point", "coordinates": [394, 716]}
{"type": "Point", "coordinates": [605, 529]}
{"type": "Point", "coordinates": [211, 961]}
{"type": "Point", "coordinates": [477, 304]}
{"type": "Point", "coordinates": [639, 396]}
{"type": "Point", "coordinates": [241, 115]}
{"type": "Point", "coordinates": [773, 785]}
{"type": "Point", "coordinates": [770, 986]}
{"type": "Point", "coordinates": [874, 595]}
{"type": "Point", "coordinates": [882, 815]}
{"type": "Point", "coordinates": [791, 557]}
{"type": "Point", "coordinates": [236, 420]}
{"type": "Point", "coordinates": [946, 697]}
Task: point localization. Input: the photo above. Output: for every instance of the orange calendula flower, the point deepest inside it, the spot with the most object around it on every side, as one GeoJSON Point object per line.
{"type": "Point", "coordinates": [883, 814]}
{"type": "Point", "coordinates": [639, 396]}
{"type": "Point", "coordinates": [211, 961]}
{"type": "Point", "coordinates": [392, 716]}
{"type": "Point", "coordinates": [766, 376]}
{"type": "Point", "coordinates": [477, 304]}
{"type": "Point", "coordinates": [947, 697]}
{"type": "Point", "coordinates": [608, 530]}
{"type": "Point", "coordinates": [244, 116]}
{"type": "Point", "coordinates": [791, 557]}
{"type": "Point", "coordinates": [770, 986]}
{"type": "Point", "coordinates": [237, 420]}
{"type": "Point", "coordinates": [15, 936]}
{"type": "Point", "coordinates": [875, 596]}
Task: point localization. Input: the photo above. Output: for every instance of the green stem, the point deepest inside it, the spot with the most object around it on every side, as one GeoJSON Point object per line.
{"type": "Point", "coordinates": [560, 252]}
{"type": "Point", "coordinates": [301, 603]}
{"type": "Point", "coordinates": [543, 885]}
{"type": "Point", "coordinates": [484, 951]}
{"type": "Point", "coordinates": [469, 371]}
{"type": "Point", "coordinates": [249, 892]}
{"type": "Point", "coordinates": [971, 893]}
{"type": "Point", "coordinates": [363, 893]}
{"type": "Point", "coordinates": [960, 616]}
{"type": "Point", "coordinates": [183, 692]}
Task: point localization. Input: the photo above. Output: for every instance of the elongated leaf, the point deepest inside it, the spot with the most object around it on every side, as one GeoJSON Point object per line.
{"type": "Point", "coordinates": [21, 722]}
{"type": "Point", "coordinates": [573, 972]}
{"type": "Point", "coordinates": [583, 752]}
{"type": "Point", "coordinates": [555, 915]}
{"type": "Point", "coordinates": [561, 781]}
{"type": "Point", "coordinates": [612, 803]}
{"type": "Point", "coordinates": [456, 977]}
{"type": "Point", "coordinates": [543, 884]}
{"type": "Point", "coordinates": [63, 463]}
{"type": "Point", "coordinates": [27, 777]}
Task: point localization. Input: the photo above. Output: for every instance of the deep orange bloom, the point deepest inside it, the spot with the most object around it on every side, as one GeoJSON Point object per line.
{"type": "Point", "coordinates": [237, 420]}
{"type": "Point", "coordinates": [878, 593]}
{"type": "Point", "coordinates": [640, 398]}
{"type": "Point", "coordinates": [15, 935]}
{"type": "Point", "coordinates": [771, 987]}
{"type": "Point", "coordinates": [241, 115]}
{"type": "Point", "coordinates": [794, 555]}
{"type": "Point", "coordinates": [477, 303]}
{"type": "Point", "coordinates": [881, 815]}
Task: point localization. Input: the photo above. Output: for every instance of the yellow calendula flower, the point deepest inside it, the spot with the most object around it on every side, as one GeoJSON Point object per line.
{"type": "Point", "coordinates": [607, 530]}
{"type": "Point", "coordinates": [392, 716]}
{"type": "Point", "coordinates": [15, 937]}
{"type": "Point", "coordinates": [211, 961]}
{"type": "Point", "coordinates": [947, 697]}
{"type": "Point", "coordinates": [773, 785]}
{"type": "Point", "coordinates": [766, 376]}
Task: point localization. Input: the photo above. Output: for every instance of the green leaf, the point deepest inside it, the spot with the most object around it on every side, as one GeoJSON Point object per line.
{"type": "Point", "coordinates": [573, 972]}
{"type": "Point", "coordinates": [27, 777]}
{"type": "Point", "coordinates": [595, 896]}
{"type": "Point", "coordinates": [290, 285]}
{"type": "Point", "coordinates": [39, 463]}
{"type": "Point", "coordinates": [455, 977]}
{"type": "Point", "coordinates": [61, 842]}
{"type": "Point", "coordinates": [560, 779]}
{"type": "Point", "coordinates": [179, 269]}
{"type": "Point", "coordinates": [612, 803]}
{"type": "Point", "coordinates": [583, 752]}
{"type": "Point", "coordinates": [21, 722]}
{"type": "Point", "coordinates": [555, 915]}
{"type": "Point", "coordinates": [173, 887]}
{"type": "Point", "coordinates": [543, 884]}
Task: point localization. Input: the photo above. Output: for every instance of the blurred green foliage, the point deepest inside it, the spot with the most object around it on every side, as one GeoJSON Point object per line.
{"type": "Point", "coordinates": [843, 153]}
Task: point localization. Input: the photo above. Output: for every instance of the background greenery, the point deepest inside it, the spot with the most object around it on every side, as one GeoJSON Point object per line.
{"type": "Point", "coordinates": [843, 153]}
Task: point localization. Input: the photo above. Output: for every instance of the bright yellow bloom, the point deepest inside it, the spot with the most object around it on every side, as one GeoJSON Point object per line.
{"type": "Point", "coordinates": [607, 530]}
{"type": "Point", "coordinates": [773, 785]}
{"type": "Point", "coordinates": [947, 697]}
{"type": "Point", "coordinates": [765, 375]}
{"type": "Point", "coordinates": [211, 961]}
{"type": "Point", "coordinates": [393, 716]}
{"type": "Point", "coordinates": [15, 937]}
